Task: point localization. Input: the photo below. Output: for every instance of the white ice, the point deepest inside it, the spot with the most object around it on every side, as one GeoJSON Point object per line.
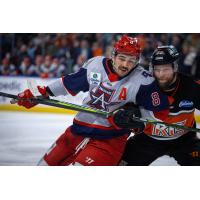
{"type": "Point", "coordinates": [25, 137]}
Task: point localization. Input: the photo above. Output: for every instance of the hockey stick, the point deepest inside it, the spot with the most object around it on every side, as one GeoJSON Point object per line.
{"type": "Point", "coordinates": [60, 104]}
{"type": "Point", "coordinates": [87, 109]}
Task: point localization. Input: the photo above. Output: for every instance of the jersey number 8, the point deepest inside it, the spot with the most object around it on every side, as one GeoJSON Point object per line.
{"type": "Point", "coordinates": [155, 99]}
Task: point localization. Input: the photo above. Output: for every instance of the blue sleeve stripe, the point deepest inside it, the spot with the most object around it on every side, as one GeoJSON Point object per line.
{"type": "Point", "coordinates": [76, 82]}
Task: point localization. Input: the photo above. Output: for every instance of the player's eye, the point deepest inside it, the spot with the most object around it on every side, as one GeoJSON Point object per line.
{"type": "Point", "coordinates": [122, 59]}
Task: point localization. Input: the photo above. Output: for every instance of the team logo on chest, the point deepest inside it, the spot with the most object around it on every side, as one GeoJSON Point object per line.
{"type": "Point", "coordinates": [167, 131]}
{"type": "Point", "coordinates": [101, 97]}
{"type": "Point", "coordinates": [186, 104]}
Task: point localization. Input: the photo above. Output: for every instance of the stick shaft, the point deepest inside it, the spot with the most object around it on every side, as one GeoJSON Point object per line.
{"type": "Point", "coordinates": [59, 104]}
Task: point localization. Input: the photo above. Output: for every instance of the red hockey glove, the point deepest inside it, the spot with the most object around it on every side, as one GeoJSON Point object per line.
{"type": "Point", "coordinates": [24, 97]}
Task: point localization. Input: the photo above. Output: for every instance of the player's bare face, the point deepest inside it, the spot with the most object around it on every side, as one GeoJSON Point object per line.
{"type": "Point", "coordinates": [123, 64]}
{"type": "Point", "coordinates": [164, 74]}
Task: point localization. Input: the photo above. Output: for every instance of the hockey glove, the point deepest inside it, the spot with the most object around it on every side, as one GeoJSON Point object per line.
{"type": "Point", "coordinates": [123, 118]}
{"type": "Point", "coordinates": [24, 97]}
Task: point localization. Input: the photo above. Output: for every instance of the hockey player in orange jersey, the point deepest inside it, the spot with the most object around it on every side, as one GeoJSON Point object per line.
{"type": "Point", "coordinates": [183, 94]}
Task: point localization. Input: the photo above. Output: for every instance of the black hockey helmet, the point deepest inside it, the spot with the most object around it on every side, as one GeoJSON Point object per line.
{"type": "Point", "coordinates": [164, 55]}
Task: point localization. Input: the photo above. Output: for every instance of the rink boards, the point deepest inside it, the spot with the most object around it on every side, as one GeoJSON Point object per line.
{"type": "Point", "coordinates": [15, 85]}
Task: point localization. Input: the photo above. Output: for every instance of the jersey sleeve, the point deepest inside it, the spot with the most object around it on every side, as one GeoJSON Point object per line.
{"type": "Point", "coordinates": [151, 98]}
{"type": "Point", "coordinates": [72, 83]}
{"type": "Point", "coordinates": [153, 101]}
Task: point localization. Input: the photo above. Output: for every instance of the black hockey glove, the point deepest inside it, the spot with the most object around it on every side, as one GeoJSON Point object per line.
{"type": "Point", "coordinates": [123, 118]}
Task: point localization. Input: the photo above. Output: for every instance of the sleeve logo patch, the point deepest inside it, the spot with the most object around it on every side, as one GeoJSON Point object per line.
{"type": "Point", "coordinates": [186, 104]}
{"type": "Point", "coordinates": [95, 78]}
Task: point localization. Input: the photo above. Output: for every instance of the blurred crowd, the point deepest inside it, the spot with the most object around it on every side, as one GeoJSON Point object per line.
{"type": "Point", "coordinates": [54, 55]}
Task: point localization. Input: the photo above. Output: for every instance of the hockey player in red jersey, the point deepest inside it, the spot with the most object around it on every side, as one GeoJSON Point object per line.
{"type": "Point", "coordinates": [183, 95]}
{"type": "Point", "coordinates": [110, 83]}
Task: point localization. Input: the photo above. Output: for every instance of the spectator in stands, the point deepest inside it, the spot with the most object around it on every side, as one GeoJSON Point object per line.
{"type": "Point", "coordinates": [80, 60]}
{"type": "Point", "coordinates": [38, 64]}
{"type": "Point", "coordinates": [148, 48]}
{"type": "Point", "coordinates": [7, 69]}
{"type": "Point", "coordinates": [27, 68]}
{"type": "Point", "coordinates": [59, 69]}
{"type": "Point", "coordinates": [68, 47]}
{"type": "Point", "coordinates": [187, 59]}
{"type": "Point", "coordinates": [51, 68]}
{"type": "Point", "coordinates": [108, 51]}
{"type": "Point", "coordinates": [85, 50]}
{"type": "Point", "coordinates": [64, 50]}
{"type": "Point", "coordinates": [190, 47]}
{"type": "Point", "coordinates": [75, 50]}
{"type": "Point", "coordinates": [46, 69]}
{"type": "Point", "coordinates": [193, 40]}
{"type": "Point", "coordinates": [96, 50]}
{"type": "Point", "coordinates": [176, 40]}
{"type": "Point", "coordinates": [22, 53]}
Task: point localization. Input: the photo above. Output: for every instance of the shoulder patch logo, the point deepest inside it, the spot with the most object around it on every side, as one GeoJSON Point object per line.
{"type": "Point", "coordinates": [95, 78]}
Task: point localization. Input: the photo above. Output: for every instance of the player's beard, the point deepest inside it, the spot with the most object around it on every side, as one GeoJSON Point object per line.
{"type": "Point", "coordinates": [166, 86]}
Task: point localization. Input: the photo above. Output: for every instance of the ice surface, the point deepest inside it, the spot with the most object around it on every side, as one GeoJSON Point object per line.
{"type": "Point", "coordinates": [25, 137]}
